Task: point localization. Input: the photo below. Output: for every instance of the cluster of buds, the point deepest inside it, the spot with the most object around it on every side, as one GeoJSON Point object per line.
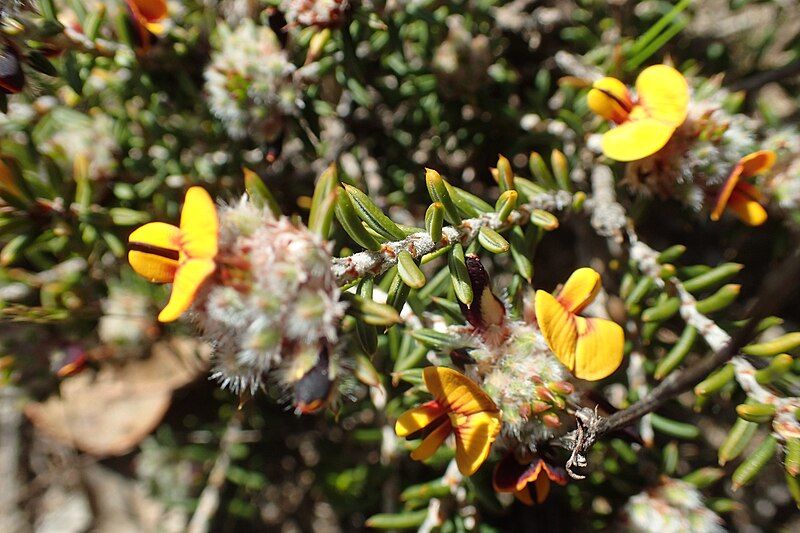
{"type": "Point", "coordinates": [673, 506]}
{"type": "Point", "coordinates": [250, 82]}
{"type": "Point", "coordinates": [676, 147]}
{"type": "Point", "coordinates": [517, 381]}
{"type": "Point", "coordinates": [319, 13]}
{"type": "Point", "coordinates": [260, 289]}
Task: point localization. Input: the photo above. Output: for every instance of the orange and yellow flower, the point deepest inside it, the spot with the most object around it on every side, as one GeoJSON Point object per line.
{"type": "Point", "coordinates": [184, 256]}
{"type": "Point", "coordinates": [460, 407]}
{"type": "Point", "coordinates": [741, 197]}
{"type": "Point", "coordinates": [512, 475]}
{"type": "Point", "coordinates": [645, 123]}
{"type": "Point", "coordinates": [147, 16]}
{"type": "Point", "coordinates": [590, 347]}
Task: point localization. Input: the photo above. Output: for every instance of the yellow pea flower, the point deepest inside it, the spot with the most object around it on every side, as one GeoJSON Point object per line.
{"type": "Point", "coordinates": [183, 255]}
{"type": "Point", "coordinates": [459, 407]}
{"type": "Point", "coordinates": [147, 16]}
{"type": "Point", "coordinates": [590, 347]}
{"type": "Point", "coordinates": [741, 197]}
{"type": "Point", "coordinates": [512, 475]}
{"type": "Point", "coordinates": [644, 123]}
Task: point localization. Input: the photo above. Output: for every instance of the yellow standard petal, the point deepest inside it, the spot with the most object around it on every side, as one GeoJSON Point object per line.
{"type": "Point", "coordinates": [417, 418]}
{"type": "Point", "coordinates": [557, 326]}
{"type": "Point", "coordinates": [636, 139]}
{"type": "Point", "coordinates": [599, 349]}
{"type": "Point", "coordinates": [190, 276]}
{"type": "Point", "coordinates": [154, 251]}
{"type": "Point", "coordinates": [664, 93]}
{"type": "Point", "coordinates": [474, 437]}
{"type": "Point", "coordinates": [580, 289]}
{"type": "Point", "coordinates": [199, 225]}
{"type": "Point", "coordinates": [456, 391]}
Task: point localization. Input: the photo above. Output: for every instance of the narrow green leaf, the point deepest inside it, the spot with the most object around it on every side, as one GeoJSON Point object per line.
{"type": "Point", "coordinates": [326, 184]}
{"type": "Point", "coordinates": [677, 353]}
{"type": "Point", "coordinates": [367, 334]}
{"type": "Point", "coordinates": [408, 270]}
{"type": "Point", "coordinates": [398, 520]}
{"type": "Point", "coordinates": [459, 276]}
{"type": "Point", "coordinates": [560, 169]}
{"type": "Point", "coordinates": [713, 277]}
{"type": "Point", "coordinates": [756, 412]}
{"type": "Point", "coordinates": [721, 299]}
{"type": "Point", "coordinates": [754, 462]}
{"type": "Point", "coordinates": [505, 175]}
{"type": "Point", "coordinates": [739, 436]}
{"type": "Point", "coordinates": [673, 428]}
{"type": "Point", "coordinates": [259, 193]}
{"type": "Point", "coordinates": [492, 241]}
{"type": "Point", "coordinates": [434, 220]}
{"type": "Point", "coordinates": [520, 252]}
{"type": "Point", "coordinates": [371, 311]}
{"type": "Point", "coordinates": [469, 204]}
{"type": "Point", "coordinates": [439, 193]}
{"type": "Point", "coordinates": [506, 203]}
{"type": "Point", "coordinates": [540, 171]}
{"type": "Point", "coordinates": [662, 311]}
{"type": "Point", "coordinates": [373, 216]}
{"type": "Point", "coordinates": [715, 381]}
{"type": "Point", "coordinates": [778, 366]}
{"type": "Point", "coordinates": [784, 343]}
{"type": "Point", "coordinates": [351, 223]}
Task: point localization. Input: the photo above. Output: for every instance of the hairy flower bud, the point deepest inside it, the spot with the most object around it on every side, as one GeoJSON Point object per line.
{"type": "Point", "coordinates": [320, 13]}
{"type": "Point", "coordinates": [673, 506]}
{"type": "Point", "coordinates": [250, 84]}
{"type": "Point", "coordinates": [274, 306]}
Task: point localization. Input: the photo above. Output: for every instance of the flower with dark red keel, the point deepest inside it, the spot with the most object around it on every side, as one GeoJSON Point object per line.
{"type": "Point", "coordinates": [314, 391]}
{"type": "Point", "coordinates": [460, 408]}
{"type": "Point", "coordinates": [486, 313]}
{"type": "Point", "coordinates": [740, 197]}
{"type": "Point", "coordinates": [513, 474]}
{"type": "Point", "coordinates": [12, 78]}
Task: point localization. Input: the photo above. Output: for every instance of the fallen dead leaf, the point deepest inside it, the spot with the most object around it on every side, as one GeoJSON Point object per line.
{"type": "Point", "coordinates": [110, 411]}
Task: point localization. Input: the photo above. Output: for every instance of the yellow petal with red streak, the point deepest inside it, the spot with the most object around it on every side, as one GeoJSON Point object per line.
{"type": "Point", "coordinates": [190, 276]}
{"type": "Point", "coordinates": [599, 349]}
{"type": "Point", "coordinates": [557, 326]}
{"type": "Point", "coordinates": [161, 237]}
{"type": "Point", "coordinates": [636, 139]}
{"type": "Point", "coordinates": [664, 93]}
{"type": "Point", "coordinates": [579, 290]}
{"type": "Point", "coordinates": [199, 225]}
{"type": "Point", "coordinates": [417, 418]}
{"type": "Point", "coordinates": [474, 438]}
{"type": "Point", "coordinates": [456, 391]}
{"type": "Point", "coordinates": [610, 99]}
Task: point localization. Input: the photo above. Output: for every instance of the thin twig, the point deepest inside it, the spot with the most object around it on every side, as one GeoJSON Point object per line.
{"type": "Point", "coordinates": [208, 502]}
